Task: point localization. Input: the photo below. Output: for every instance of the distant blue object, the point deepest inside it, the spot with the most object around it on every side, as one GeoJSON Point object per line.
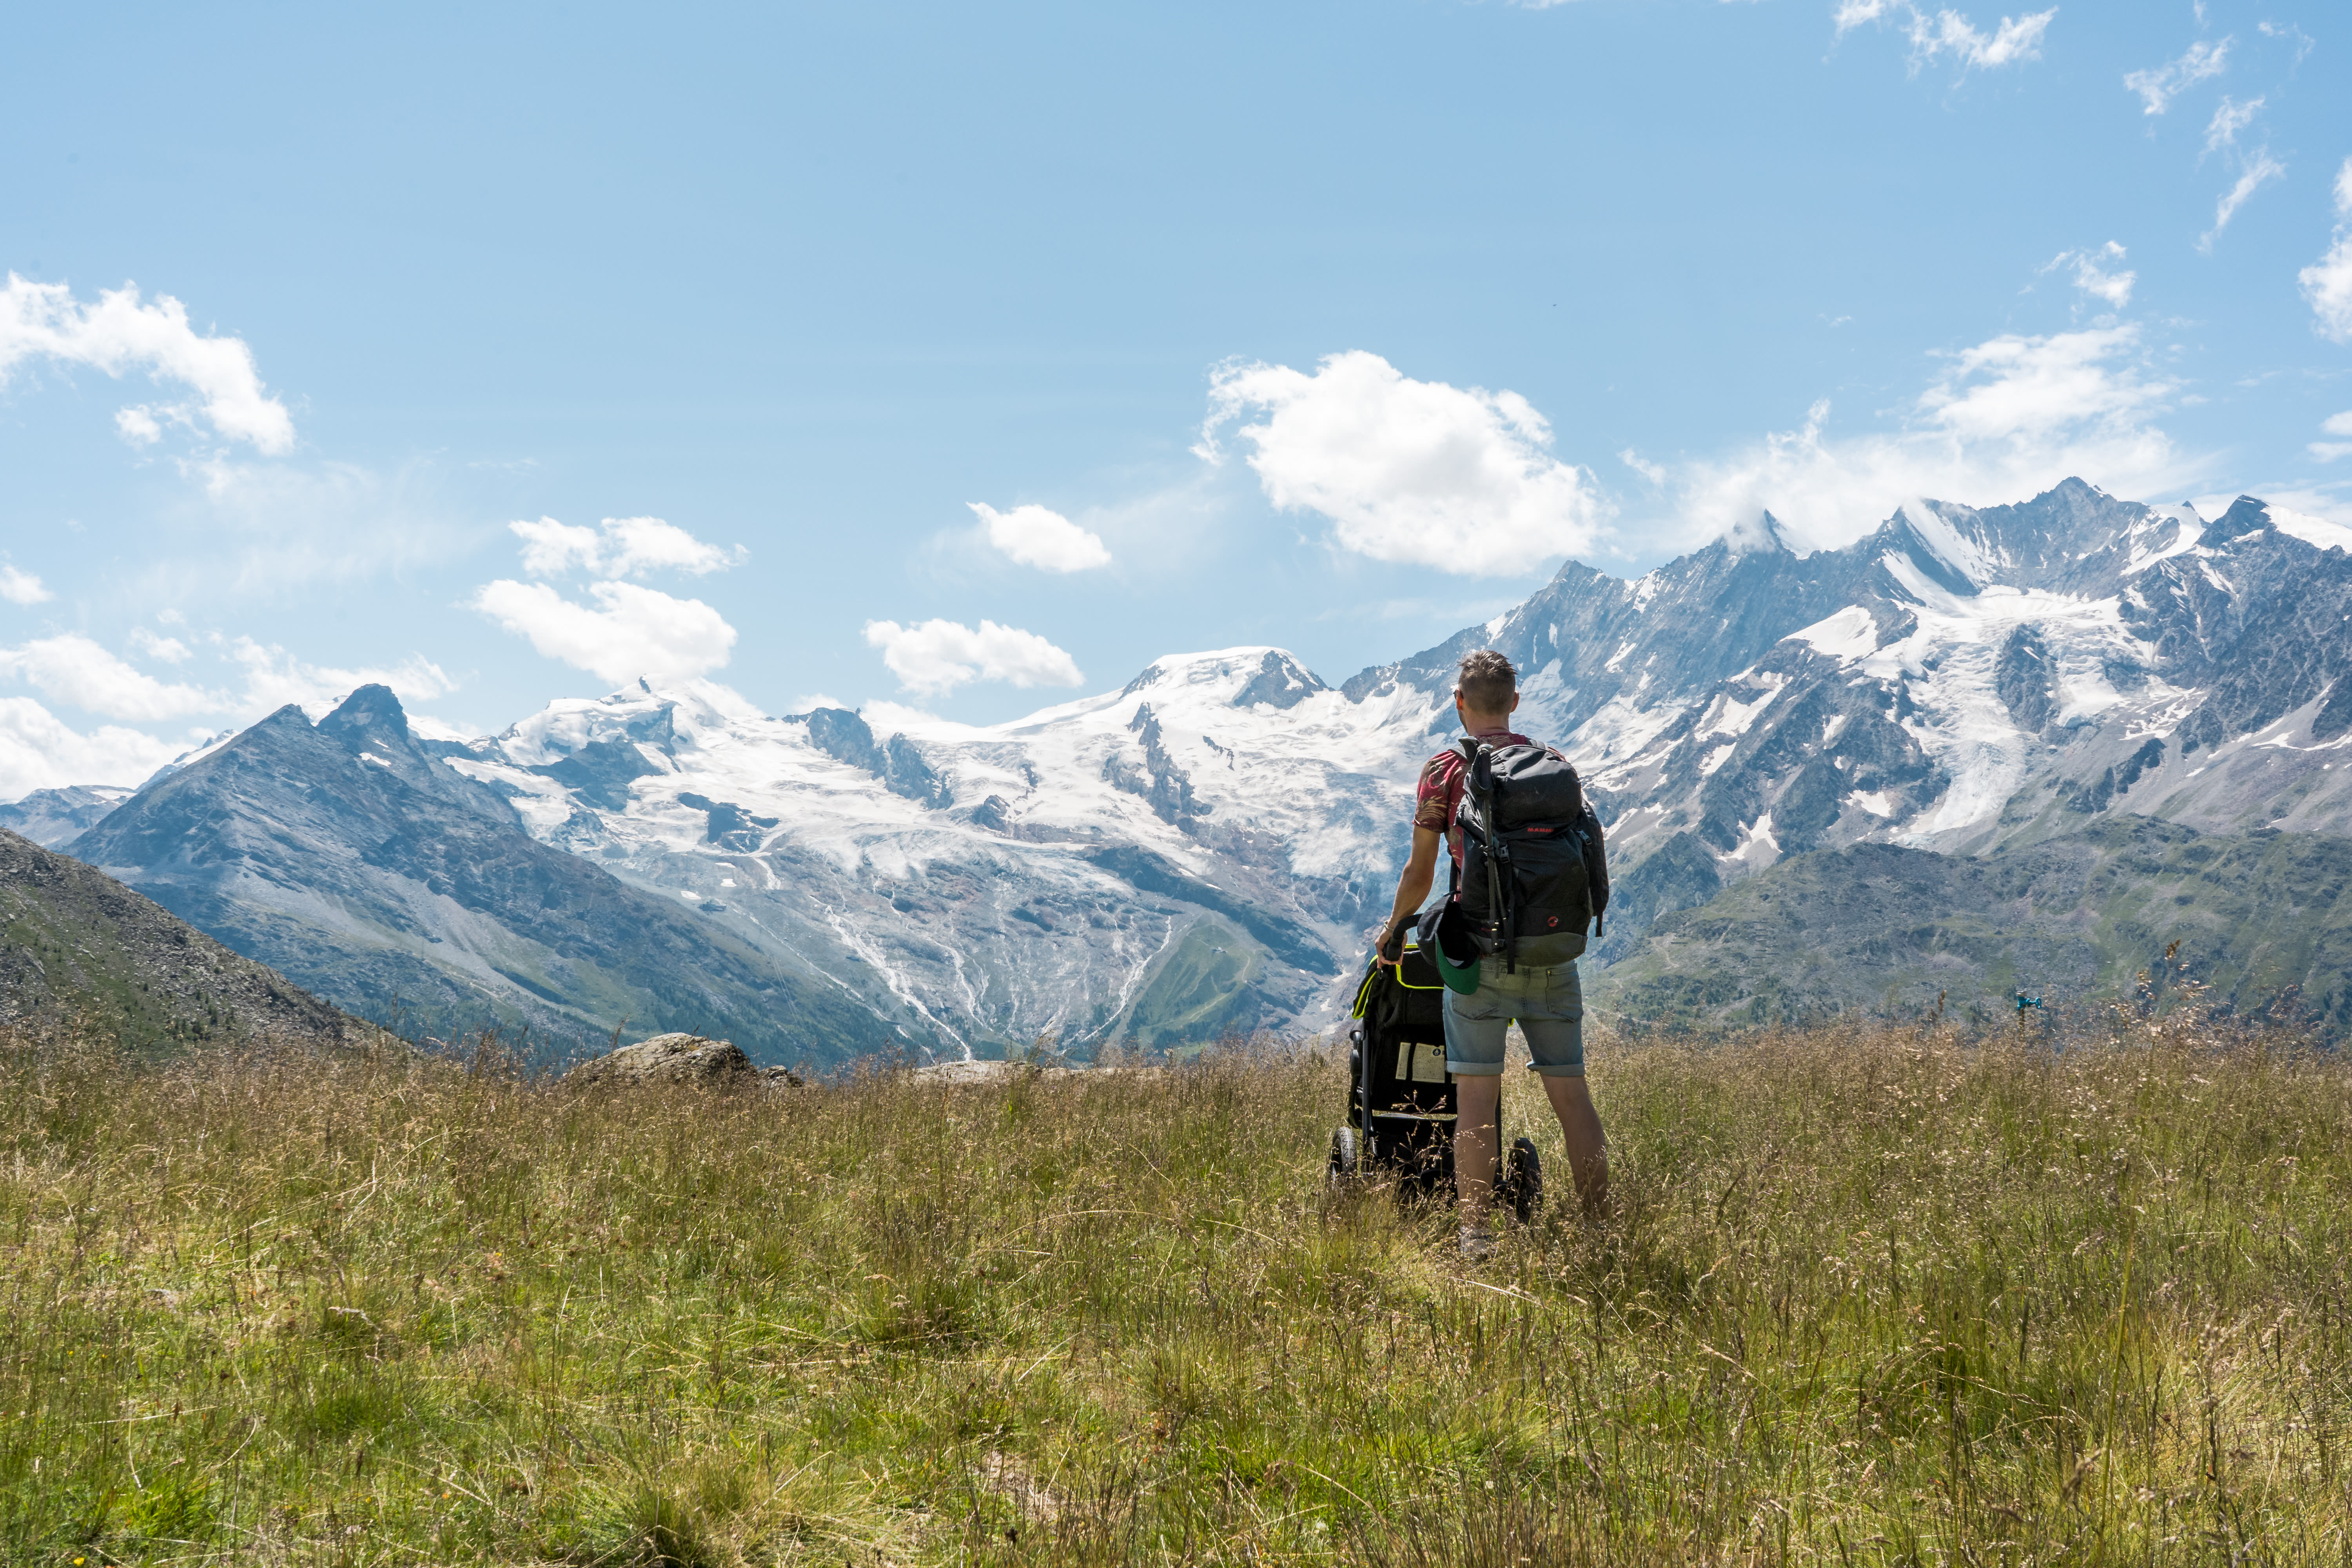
{"type": "Point", "coordinates": [2023, 1002]}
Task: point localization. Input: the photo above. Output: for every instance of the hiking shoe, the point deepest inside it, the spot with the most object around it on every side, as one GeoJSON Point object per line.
{"type": "Point", "coordinates": [1478, 1242]}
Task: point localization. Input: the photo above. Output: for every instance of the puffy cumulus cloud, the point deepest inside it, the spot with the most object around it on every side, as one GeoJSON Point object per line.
{"type": "Point", "coordinates": [22, 587]}
{"type": "Point", "coordinates": [75, 671]}
{"type": "Point", "coordinates": [2007, 419]}
{"type": "Point", "coordinates": [40, 750]}
{"type": "Point", "coordinates": [1948, 33]}
{"type": "Point", "coordinates": [1416, 471]}
{"type": "Point", "coordinates": [274, 678]}
{"type": "Point", "coordinates": [2328, 282]}
{"type": "Point", "coordinates": [2335, 425]}
{"type": "Point", "coordinates": [937, 656]}
{"type": "Point", "coordinates": [2259, 169]}
{"type": "Point", "coordinates": [620, 547]}
{"type": "Point", "coordinates": [72, 668]}
{"type": "Point", "coordinates": [630, 630]}
{"type": "Point", "coordinates": [1035, 536]}
{"type": "Point", "coordinates": [2096, 273]}
{"type": "Point", "coordinates": [121, 333]}
{"type": "Point", "coordinates": [2159, 85]}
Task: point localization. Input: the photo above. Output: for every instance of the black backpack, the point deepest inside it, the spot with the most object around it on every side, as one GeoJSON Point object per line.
{"type": "Point", "coordinates": [1534, 873]}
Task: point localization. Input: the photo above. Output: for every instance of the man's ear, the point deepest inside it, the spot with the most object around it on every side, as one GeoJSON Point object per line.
{"type": "Point", "coordinates": [1514, 703]}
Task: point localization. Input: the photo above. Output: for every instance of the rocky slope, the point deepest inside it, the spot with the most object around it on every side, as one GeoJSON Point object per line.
{"type": "Point", "coordinates": [75, 945]}
{"type": "Point", "coordinates": [2259, 916]}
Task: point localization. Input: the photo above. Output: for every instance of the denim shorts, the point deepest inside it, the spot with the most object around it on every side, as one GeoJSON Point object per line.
{"type": "Point", "coordinates": [1549, 1005]}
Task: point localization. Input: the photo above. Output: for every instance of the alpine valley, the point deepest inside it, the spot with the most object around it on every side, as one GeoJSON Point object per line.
{"type": "Point", "coordinates": [1980, 750]}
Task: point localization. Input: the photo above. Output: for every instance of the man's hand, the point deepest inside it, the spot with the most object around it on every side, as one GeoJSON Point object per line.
{"type": "Point", "coordinates": [1412, 886]}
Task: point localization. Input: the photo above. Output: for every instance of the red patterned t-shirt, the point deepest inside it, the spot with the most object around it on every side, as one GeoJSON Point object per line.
{"type": "Point", "coordinates": [1439, 795]}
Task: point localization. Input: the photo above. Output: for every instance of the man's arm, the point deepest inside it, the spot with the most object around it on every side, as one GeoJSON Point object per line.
{"type": "Point", "coordinates": [1412, 886]}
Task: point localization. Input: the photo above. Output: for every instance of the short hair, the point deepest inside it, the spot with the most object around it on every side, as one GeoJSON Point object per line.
{"type": "Point", "coordinates": [1488, 681]}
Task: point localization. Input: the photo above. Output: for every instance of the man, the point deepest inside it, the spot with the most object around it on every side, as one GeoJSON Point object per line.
{"type": "Point", "coordinates": [1542, 996]}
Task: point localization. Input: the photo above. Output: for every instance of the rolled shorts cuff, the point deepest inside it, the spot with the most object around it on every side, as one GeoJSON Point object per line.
{"type": "Point", "coordinates": [1476, 1069]}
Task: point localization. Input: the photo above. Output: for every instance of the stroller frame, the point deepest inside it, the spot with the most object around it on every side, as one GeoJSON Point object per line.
{"type": "Point", "coordinates": [1402, 1102]}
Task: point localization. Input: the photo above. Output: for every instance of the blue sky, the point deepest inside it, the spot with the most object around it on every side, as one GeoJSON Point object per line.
{"type": "Point", "coordinates": [1333, 326]}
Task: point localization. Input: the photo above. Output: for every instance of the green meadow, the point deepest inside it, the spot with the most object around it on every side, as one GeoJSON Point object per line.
{"type": "Point", "coordinates": [1866, 1296]}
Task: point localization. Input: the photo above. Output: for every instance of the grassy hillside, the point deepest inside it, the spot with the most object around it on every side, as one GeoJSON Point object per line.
{"type": "Point", "coordinates": [75, 942]}
{"type": "Point", "coordinates": [1878, 1298]}
{"type": "Point", "coordinates": [1887, 929]}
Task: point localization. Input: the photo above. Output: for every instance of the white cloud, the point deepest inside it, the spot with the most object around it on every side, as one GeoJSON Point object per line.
{"type": "Point", "coordinates": [171, 650]}
{"type": "Point", "coordinates": [1036, 537]}
{"type": "Point", "coordinates": [72, 669]}
{"type": "Point", "coordinates": [2259, 170]}
{"type": "Point", "coordinates": [2159, 85]}
{"type": "Point", "coordinates": [2230, 118]}
{"type": "Point", "coordinates": [550, 548]}
{"type": "Point", "coordinates": [2304, 42]}
{"type": "Point", "coordinates": [626, 547]}
{"type": "Point", "coordinates": [1653, 472]}
{"type": "Point", "coordinates": [2334, 424]}
{"type": "Point", "coordinates": [22, 587]}
{"type": "Point", "coordinates": [2094, 273]}
{"type": "Point", "coordinates": [632, 630]}
{"type": "Point", "coordinates": [937, 656]}
{"type": "Point", "coordinates": [1416, 471]}
{"type": "Point", "coordinates": [2007, 419]}
{"type": "Point", "coordinates": [119, 334]}
{"type": "Point", "coordinates": [40, 750]}
{"type": "Point", "coordinates": [2012, 41]}
{"type": "Point", "coordinates": [273, 678]}
{"type": "Point", "coordinates": [2328, 282]}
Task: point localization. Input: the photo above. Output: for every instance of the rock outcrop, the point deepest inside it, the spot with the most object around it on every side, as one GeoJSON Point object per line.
{"type": "Point", "coordinates": [680, 1058]}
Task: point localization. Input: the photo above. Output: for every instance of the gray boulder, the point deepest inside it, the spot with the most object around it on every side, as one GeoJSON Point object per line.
{"type": "Point", "coordinates": [680, 1058]}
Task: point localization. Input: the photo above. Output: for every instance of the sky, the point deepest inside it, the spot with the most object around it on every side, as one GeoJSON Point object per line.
{"type": "Point", "coordinates": [968, 358]}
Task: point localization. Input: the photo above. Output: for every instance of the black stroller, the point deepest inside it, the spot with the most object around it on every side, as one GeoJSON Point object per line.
{"type": "Point", "coordinates": [1402, 1103]}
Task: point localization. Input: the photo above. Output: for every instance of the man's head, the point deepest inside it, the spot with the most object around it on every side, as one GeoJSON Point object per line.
{"type": "Point", "coordinates": [1487, 690]}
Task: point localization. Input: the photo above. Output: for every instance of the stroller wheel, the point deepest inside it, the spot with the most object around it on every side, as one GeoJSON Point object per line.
{"type": "Point", "coordinates": [1340, 1171]}
{"type": "Point", "coordinates": [1523, 1179]}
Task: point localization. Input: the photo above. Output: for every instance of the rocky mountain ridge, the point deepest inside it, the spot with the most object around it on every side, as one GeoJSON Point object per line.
{"type": "Point", "coordinates": [355, 861]}
{"type": "Point", "coordinates": [1204, 849]}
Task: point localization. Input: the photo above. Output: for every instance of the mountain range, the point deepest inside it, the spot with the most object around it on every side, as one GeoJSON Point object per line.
{"type": "Point", "coordinates": [2048, 737]}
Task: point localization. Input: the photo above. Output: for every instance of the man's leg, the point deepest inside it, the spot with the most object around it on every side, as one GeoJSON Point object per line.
{"type": "Point", "coordinates": [1474, 1028]}
{"type": "Point", "coordinates": [1588, 1150]}
{"type": "Point", "coordinates": [1556, 1041]}
{"type": "Point", "coordinates": [1477, 1141]}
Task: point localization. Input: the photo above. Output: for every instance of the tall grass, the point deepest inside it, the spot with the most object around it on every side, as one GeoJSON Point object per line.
{"type": "Point", "coordinates": [1894, 1297]}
